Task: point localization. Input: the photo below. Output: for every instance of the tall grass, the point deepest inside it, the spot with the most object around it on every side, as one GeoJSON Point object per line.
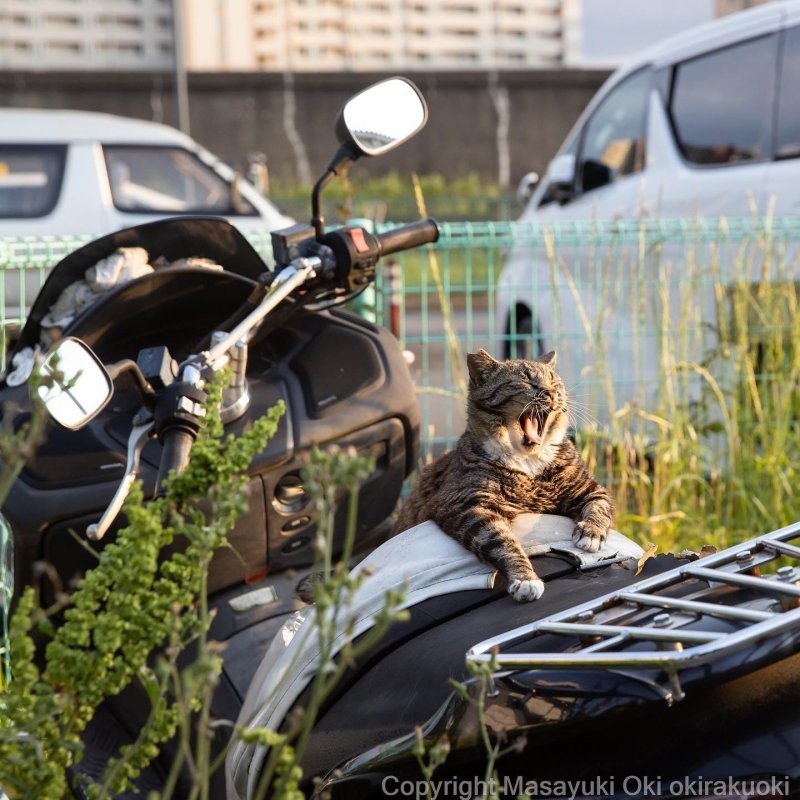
{"type": "Point", "coordinates": [682, 347]}
{"type": "Point", "coordinates": [704, 446]}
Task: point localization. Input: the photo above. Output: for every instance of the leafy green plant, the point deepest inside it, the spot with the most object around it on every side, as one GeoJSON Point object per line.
{"type": "Point", "coordinates": [16, 447]}
{"type": "Point", "coordinates": [136, 613]}
{"type": "Point", "coordinates": [124, 610]}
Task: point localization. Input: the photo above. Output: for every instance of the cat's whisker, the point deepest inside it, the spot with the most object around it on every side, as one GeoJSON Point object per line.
{"type": "Point", "coordinates": [580, 418]}
{"type": "Point", "coordinates": [581, 411]}
{"type": "Point", "coordinates": [573, 394]}
{"type": "Point", "coordinates": [581, 393]}
{"type": "Point", "coordinates": [528, 406]}
{"type": "Point", "coordinates": [584, 417]}
{"type": "Point", "coordinates": [581, 407]}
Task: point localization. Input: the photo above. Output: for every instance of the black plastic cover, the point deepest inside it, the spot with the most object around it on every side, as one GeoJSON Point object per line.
{"type": "Point", "coordinates": [213, 238]}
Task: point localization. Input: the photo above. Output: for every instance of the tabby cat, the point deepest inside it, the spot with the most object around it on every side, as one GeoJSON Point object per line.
{"type": "Point", "coordinates": [514, 457]}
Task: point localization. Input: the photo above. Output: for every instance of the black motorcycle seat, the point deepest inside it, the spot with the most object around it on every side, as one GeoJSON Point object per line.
{"type": "Point", "coordinates": [406, 678]}
{"type": "Point", "coordinates": [425, 565]}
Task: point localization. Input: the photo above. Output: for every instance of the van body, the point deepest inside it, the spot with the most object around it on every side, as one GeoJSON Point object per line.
{"type": "Point", "coordinates": [703, 125]}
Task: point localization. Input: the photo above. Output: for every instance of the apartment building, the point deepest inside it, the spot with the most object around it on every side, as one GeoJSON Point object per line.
{"type": "Point", "coordinates": [86, 34]}
{"type": "Point", "coordinates": [290, 35]}
{"type": "Point", "coordinates": [361, 35]}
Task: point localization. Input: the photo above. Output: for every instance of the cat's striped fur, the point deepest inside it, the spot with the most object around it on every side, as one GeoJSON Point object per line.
{"type": "Point", "coordinates": [514, 457]}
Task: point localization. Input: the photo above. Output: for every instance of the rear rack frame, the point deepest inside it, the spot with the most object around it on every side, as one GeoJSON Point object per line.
{"type": "Point", "coordinates": [675, 647]}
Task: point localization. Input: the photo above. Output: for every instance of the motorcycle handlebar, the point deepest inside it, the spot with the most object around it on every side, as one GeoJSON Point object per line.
{"type": "Point", "coordinates": [405, 237]}
{"type": "Point", "coordinates": [177, 446]}
{"type": "Point", "coordinates": [355, 252]}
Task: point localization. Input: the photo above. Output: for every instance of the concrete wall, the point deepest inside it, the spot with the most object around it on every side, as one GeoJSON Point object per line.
{"type": "Point", "coordinates": [499, 126]}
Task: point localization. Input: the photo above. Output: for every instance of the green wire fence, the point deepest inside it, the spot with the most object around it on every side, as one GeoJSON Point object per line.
{"type": "Point", "coordinates": [678, 341]}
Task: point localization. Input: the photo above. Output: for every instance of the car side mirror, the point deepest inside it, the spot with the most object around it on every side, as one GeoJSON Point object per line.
{"type": "Point", "coordinates": [561, 177]}
{"type": "Point", "coordinates": [73, 385]}
{"type": "Point", "coordinates": [527, 186]}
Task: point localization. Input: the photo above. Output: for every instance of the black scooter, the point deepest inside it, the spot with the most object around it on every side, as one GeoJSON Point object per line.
{"type": "Point", "coordinates": [679, 681]}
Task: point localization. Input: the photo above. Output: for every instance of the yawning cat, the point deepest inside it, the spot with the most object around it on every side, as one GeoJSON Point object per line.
{"type": "Point", "coordinates": [513, 458]}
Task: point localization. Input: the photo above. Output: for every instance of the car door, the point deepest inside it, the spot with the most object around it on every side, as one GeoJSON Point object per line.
{"type": "Point", "coordinates": [602, 162]}
{"type": "Point", "coordinates": [783, 172]}
{"type": "Point", "coordinates": [610, 155]}
{"type": "Point", "coordinates": [573, 286]}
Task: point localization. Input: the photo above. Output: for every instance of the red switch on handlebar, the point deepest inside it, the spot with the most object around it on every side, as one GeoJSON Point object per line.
{"type": "Point", "coordinates": [357, 236]}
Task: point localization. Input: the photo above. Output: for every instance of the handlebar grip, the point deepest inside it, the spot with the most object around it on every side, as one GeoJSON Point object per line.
{"type": "Point", "coordinates": [407, 236]}
{"type": "Point", "coordinates": [177, 446]}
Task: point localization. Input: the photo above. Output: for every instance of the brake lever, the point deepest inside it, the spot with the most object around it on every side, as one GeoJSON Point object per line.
{"type": "Point", "coordinates": [136, 441]}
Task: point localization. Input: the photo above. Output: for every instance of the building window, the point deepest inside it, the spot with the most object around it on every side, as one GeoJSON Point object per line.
{"type": "Point", "coordinates": [62, 20]}
{"type": "Point", "coordinates": [65, 48]}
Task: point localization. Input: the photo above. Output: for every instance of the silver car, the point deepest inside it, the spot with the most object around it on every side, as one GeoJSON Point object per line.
{"type": "Point", "coordinates": [704, 125]}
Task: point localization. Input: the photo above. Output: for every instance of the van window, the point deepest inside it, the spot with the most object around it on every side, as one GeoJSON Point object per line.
{"type": "Point", "coordinates": [613, 142]}
{"type": "Point", "coordinates": [787, 134]}
{"type": "Point", "coordinates": [30, 179]}
{"type": "Point", "coordinates": [168, 180]}
{"type": "Point", "coordinates": [721, 104]}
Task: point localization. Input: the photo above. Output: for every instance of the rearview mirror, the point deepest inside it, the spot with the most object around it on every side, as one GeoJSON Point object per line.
{"type": "Point", "coordinates": [381, 117]}
{"type": "Point", "coordinates": [561, 178]}
{"type": "Point", "coordinates": [527, 186]}
{"type": "Point", "coordinates": [562, 169]}
{"type": "Point", "coordinates": [74, 386]}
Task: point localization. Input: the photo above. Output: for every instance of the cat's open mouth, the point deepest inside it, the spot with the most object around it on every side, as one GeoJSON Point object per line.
{"type": "Point", "coordinates": [532, 424]}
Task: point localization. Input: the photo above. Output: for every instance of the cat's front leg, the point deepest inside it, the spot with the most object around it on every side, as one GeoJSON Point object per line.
{"type": "Point", "coordinates": [486, 532]}
{"type": "Point", "coordinates": [592, 528]}
{"type": "Point", "coordinates": [494, 543]}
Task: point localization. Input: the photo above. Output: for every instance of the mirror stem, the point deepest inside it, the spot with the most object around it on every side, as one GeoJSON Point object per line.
{"type": "Point", "coordinates": [344, 158]}
{"type": "Point", "coordinates": [128, 365]}
{"type": "Point", "coordinates": [317, 220]}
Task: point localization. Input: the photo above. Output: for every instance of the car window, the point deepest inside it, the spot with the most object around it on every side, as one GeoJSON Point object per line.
{"type": "Point", "coordinates": [30, 179]}
{"type": "Point", "coordinates": [613, 142]}
{"type": "Point", "coordinates": [787, 134]}
{"type": "Point", "coordinates": [721, 105]}
{"type": "Point", "coordinates": [168, 180]}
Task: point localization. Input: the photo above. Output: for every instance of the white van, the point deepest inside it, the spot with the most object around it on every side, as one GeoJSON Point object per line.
{"type": "Point", "coordinates": [81, 172]}
{"type": "Point", "coordinates": [68, 173]}
{"type": "Point", "coordinates": [706, 124]}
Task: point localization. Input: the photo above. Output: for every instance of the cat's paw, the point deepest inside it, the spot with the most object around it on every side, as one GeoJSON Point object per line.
{"type": "Point", "coordinates": [588, 538]}
{"type": "Point", "coordinates": [525, 591]}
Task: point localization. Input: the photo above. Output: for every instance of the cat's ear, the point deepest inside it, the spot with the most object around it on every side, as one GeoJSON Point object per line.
{"type": "Point", "coordinates": [548, 359]}
{"type": "Point", "coordinates": [480, 364]}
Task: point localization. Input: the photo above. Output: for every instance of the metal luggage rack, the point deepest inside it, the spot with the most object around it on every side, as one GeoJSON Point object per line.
{"type": "Point", "coordinates": [662, 626]}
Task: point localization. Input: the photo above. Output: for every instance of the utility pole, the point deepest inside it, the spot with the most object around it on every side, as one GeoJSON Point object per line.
{"type": "Point", "coordinates": [181, 86]}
